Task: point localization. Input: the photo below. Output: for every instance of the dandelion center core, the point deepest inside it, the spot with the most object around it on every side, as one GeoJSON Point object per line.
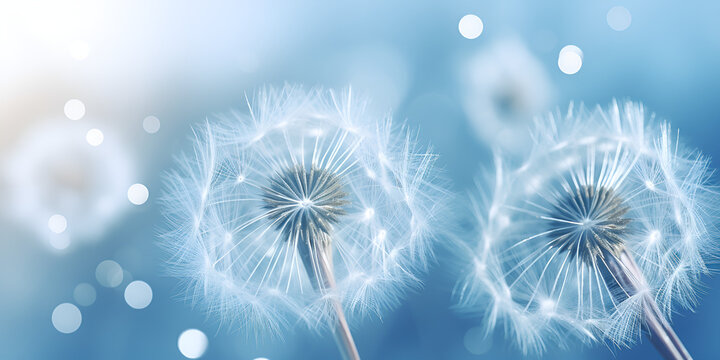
{"type": "Point", "coordinates": [304, 203]}
{"type": "Point", "coordinates": [587, 222]}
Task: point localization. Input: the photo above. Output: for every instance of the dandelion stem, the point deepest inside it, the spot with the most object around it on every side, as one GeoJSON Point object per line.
{"type": "Point", "coordinates": [317, 257]}
{"type": "Point", "coordinates": [629, 280]}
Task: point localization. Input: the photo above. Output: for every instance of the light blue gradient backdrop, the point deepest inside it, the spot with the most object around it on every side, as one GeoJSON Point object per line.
{"type": "Point", "coordinates": [184, 62]}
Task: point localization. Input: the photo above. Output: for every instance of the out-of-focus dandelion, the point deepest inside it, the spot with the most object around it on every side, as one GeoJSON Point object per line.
{"type": "Point", "coordinates": [304, 208]}
{"type": "Point", "coordinates": [504, 87]}
{"type": "Point", "coordinates": [601, 233]}
{"type": "Point", "coordinates": [61, 187]}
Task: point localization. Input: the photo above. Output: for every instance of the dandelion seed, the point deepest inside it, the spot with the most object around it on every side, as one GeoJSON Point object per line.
{"type": "Point", "coordinates": [601, 248]}
{"type": "Point", "coordinates": [264, 214]}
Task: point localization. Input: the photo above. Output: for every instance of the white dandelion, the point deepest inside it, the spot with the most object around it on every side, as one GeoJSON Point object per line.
{"type": "Point", "coordinates": [601, 233]}
{"type": "Point", "coordinates": [61, 187]}
{"type": "Point", "coordinates": [504, 86]}
{"type": "Point", "coordinates": [304, 208]}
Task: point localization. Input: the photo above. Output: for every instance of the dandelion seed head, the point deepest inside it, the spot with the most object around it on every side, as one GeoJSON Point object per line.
{"type": "Point", "coordinates": [587, 222]}
{"type": "Point", "coordinates": [306, 203]}
{"type": "Point", "coordinates": [299, 171]}
{"type": "Point", "coordinates": [52, 170]}
{"type": "Point", "coordinates": [630, 185]}
{"type": "Point", "coordinates": [505, 86]}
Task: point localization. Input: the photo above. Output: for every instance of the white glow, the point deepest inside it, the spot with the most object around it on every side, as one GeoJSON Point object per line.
{"type": "Point", "coordinates": [382, 234]}
{"type": "Point", "coordinates": [650, 185]}
{"type": "Point", "coordinates": [270, 252]}
{"type": "Point", "coordinates": [84, 294]}
{"type": "Point", "coordinates": [369, 213]}
{"type": "Point", "coordinates": [66, 318]}
{"type": "Point", "coordinates": [547, 306]}
{"type": "Point", "coordinates": [570, 59]}
{"type": "Point", "coordinates": [109, 273]}
{"type": "Point", "coordinates": [654, 236]}
{"type": "Point", "coordinates": [477, 341]}
{"type": "Point", "coordinates": [619, 18]}
{"type": "Point", "coordinates": [57, 223]}
{"type": "Point", "coordinates": [382, 157]}
{"type": "Point", "coordinates": [151, 124]}
{"type": "Point", "coordinates": [138, 194]}
{"type": "Point", "coordinates": [79, 50]}
{"type": "Point", "coordinates": [74, 109]}
{"type": "Point", "coordinates": [138, 294]}
{"type": "Point", "coordinates": [192, 343]}
{"type": "Point", "coordinates": [94, 137]}
{"type": "Point", "coordinates": [470, 26]}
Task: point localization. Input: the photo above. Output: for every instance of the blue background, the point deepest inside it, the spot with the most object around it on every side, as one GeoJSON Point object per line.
{"type": "Point", "coordinates": [183, 61]}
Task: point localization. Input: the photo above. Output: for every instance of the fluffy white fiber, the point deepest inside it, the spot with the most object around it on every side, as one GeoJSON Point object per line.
{"type": "Point", "coordinates": [236, 261]}
{"type": "Point", "coordinates": [544, 294]}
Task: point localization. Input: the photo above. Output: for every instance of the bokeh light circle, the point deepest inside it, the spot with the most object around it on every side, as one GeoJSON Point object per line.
{"type": "Point", "coordinates": [94, 137]}
{"type": "Point", "coordinates": [138, 194]}
{"type": "Point", "coordinates": [151, 124]}
{"type": "Point", "coordinates": [192, 343]}
{"type": "Point", "coordinates": [66, 318]}
{"type": "Point", "coordinates": [470, 26]}
{"type": "Point", "coordinates": [570, 59]}
{"type": "Point", "coordinates": [57, 223]}
{"type": "Point", "coordinates": [138, 294]}
{"type": "Point", "coordinates": [109, 274]}
{"type": "Point", "coordinates": [84, 294]}
{"type": "Point", "coordinates": [619, 18]}
{"type": "Point", "coordinates": [74, 109]}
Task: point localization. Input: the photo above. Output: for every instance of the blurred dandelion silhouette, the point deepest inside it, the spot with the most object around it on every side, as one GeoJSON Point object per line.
{"type": "Point", "coordinates": [601, 233]}
{"type": "Point", "coordinates": [64, 189]}
{"type": "Point", "coordinates": [504, 87]}
{"type": "Point", "coordinates": [305, 208]}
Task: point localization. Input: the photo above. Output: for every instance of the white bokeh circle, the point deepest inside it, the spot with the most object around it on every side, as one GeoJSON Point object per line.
{"type": "Point", "coordinates": [192, 343]}
{"type": "Point", "coordinates": [138, 194]}
{"type": "Point", "coordinates": [470, 26]}
{"type": "Point", "coordinates": [138, 294]}
{"type": "Point", "coordinates": [66, 318]}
